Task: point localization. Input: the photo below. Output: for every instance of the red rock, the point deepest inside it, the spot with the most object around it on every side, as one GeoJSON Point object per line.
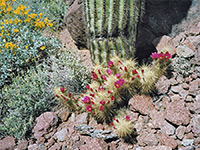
{"type": "Point", "coordinates": [162, 85]}
{"type": "Point", "coordinates": [195, 121]}
{"type": "Point", "coordinates": [194, 87]}
{"type": "Point", "coordinates": [197, 141]}
{"type": "Point", "coordinates": [185, 86]}
{"type": "Point", "coordinates": [95, 144]}
{"type": "Point", "coordinates": [195, 107]}
{"type": "Point", "coordinates": [175, 97]}
{"type": "Point", "coordinates": [56, 146]}
{"type": "Point", "coordinates": [156, 148]}
{"type": "Point", "coordinates": [82, 118]}
{"type": "Point", "coordinates": [50, 142]}
{"type": "Point", "coordinates": [8, 143]}
{"type": "Point", "coordinates": [176, 89]}
{"type": "Point", "coordinates": [141, 103]}
{"type": "Point", "coordinates": [22, 145]}
{"type": "Point", "coordinates": [157, 118]}
{"type": "Point", "coordinates": [189, 99]}
{"type": "Point", "coordinates": [147, 139]}
{"type": "Point", "coordinates": [63, 115]}
{"type": "Point", "coordinates": [165, 101]}
{"type": "Point", "coordinates": [167, 128]}
{"type": "Point", "coordinates": [180, 131]}
{"type": "Point", "coordinates": [44, 122]}
{"type": "Point", "coordinates": [177, 113]}
{"type": "Point", "coordinates": [184, 51]}
{"type": "Point", "coordinates": [168, 141]}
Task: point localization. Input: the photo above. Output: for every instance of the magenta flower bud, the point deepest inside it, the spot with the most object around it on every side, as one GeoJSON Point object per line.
{"type": "Point", "coordinates": [103, 77]}
{"type": "Point", "coordinates": [154, 55]}
{"type": "Point", "coordinates": [102, 102]}
{"type": "Point", "coordinates": [62, 89]}
{"type": "Point", "coordinates": [101, 108]}
{"type": "Point", "coordinates": [125, 69]}
{"type": "Point", "coordinates": [127, 118]}
{"type": "Point", "coordinates": [118, 75]}
{"type": "Point", "coordinates": [109, 71]}
{"type": "Point", "coordinates": [94, 76]}
{"type": "Point", "coordinates": [134, 71]}
{"type": "Point", "coordinates": [100, 88]}
{"type": "Point", "coordinates": [110, 64]}
{"type": "Point", "coordinates": [87, 87]}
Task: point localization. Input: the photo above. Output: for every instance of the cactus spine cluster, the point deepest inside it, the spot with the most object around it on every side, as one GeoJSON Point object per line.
{"type": "Point", "coordinates": [112, 86]}
{"type": "Point", "coordinates": [112, 27]}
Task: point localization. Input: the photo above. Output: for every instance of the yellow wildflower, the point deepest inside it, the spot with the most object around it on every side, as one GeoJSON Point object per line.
{"type": "Point", "coordinates": [26, 46]}
{"type": "Point", "coordinates": [9, 8]}
{"type": "Point", "coordinates": [0, 51]}
{"type": "Point", "coordinates": [14, 53]}
{"type": "Point", "coordinates": [7, 45]}
{"type": "Point", "coordinates": [27, 60]}
{"type": "Point", "coordinates": [32, 15]}
{"type": "Point", "coordinates": [42, 48]}
{"type": "Point", "coordinates": [2, 27]}
{"type": "Point", "coordinates": [17, 11]}
{"type": "Point", "coordinates": [16, 30]}
{"type": "Point", "coordinates": [40, 14]}
{"type": "Point", "coordinates": [10, 21]}
{"type": "Point", "coordinates": [27, 20]}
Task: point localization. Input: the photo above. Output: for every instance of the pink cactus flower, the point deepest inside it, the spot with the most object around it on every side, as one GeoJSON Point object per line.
{"type": "Point", "coordinates": [127, 118]}
{"type": "Point", "coordinates": [154, 55]}
{"type": "Point", "coordinates": [62, 89]}
{"type": "Point", "coordinates": [100, 88]}
{"type": "Point", "coordinates": [108, 71]}
{"type": "Point", "coordinates": [167, 55]}
{"type": "Point", "coordinates": [118, 75]}
{"type": "Point", "coordinates": [87, 87]}
{"type": "Point", "coordinates": [160, 56]}
{"type": "Point", "coordinates": [86, 99]}
{"type": "Point", "coordinates": [89, 108]}
{"type": "Point", "coordinates": [117, 84]}
{"type": "Point", "coordinates": [121, 81]}
{"type": "Point", "coordinates": [101, 108]}
{"type": "Point", "coordinates": [110, 64]}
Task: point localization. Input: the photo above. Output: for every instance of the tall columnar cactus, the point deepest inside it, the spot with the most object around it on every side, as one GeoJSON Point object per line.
{"type": "Point", "coordinates": [112, 27]}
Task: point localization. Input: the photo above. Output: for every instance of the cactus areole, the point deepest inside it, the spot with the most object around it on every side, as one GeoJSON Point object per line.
{"type": "Point", "coordinates": [112, 27]}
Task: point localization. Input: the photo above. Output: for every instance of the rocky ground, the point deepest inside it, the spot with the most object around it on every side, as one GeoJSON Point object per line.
{"type": "Point", "coordinates": [169, 121]}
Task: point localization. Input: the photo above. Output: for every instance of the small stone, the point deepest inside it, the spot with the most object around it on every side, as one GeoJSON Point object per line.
{"type": "Point", "coordinates": [50, 142]}
{"type": "Point", "coordinates": [63, 115]}
{"type": "Point", "coordinates": [194, 87]}
{"type": "Point", "coordinates": [195, 121]}
{"type": "Point", "coordinates": [7, 143]}
{"type": "Point", "coordinates": [180, 79]}
{"type": "Point", "coordinates": [177, 113]}
{"type": "Point", "coordinates": [56, 146]}
{"type": "Point", "coordinates": [195, 107]}
{"type": "Point", "coordinates": [194, 76]}
{"type": "Point", "coordinates": [189, 99]}
{"type": "Point", "coordinates": [147, 139]}
{"type": "Point", "coordinates": [22, 145]}
{"type": "Point", "coordinates": [73, 117]}
{"type": "Point", "coordinates": [168, 141]}
{"type": "Point", "coordinates": [176, 89]}
{"type": "Point", "coordinates": [188, 79]}
{"type": "Point", "coordinates": [189, 136]}
{"type": "Point", "coordinates": [157, 148]}
{"type": "Point", "coordinates": [184, 51]}
{"type": "Point", "coordinates": [197, 141]}
{"type": "Point", "coordinates": [167, 128]}
{"type": "Point", "coordinates": [141, 103]}
{"type": "Point", "coordinates": [162, 85]}
{"type": "Point", "coordinates": [180, 131]}
{"type": "Point", "coordinates": [82, 118]}
{"type": "Point", "coordinates": [33, 147]}
{"type": "Point", "coordinates": [165, 101]}
{"type": "Point", "coordinates": [175, 97]}
{"type": "Point", "coordinates": [187, 142]}
{"type": "Point", "coordinates": [95, 143]}
{"type": "Point", "coordinates": [61, 135]}
{"type": "Point", "coordinates": [185, 86]}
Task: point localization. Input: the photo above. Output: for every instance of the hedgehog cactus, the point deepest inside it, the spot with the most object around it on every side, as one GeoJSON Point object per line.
{"type": "Point", "coordinates": [122, 124]}
{"type": "Point", "coordinates": [112, 86]}
{"type": "Point", "coordinates": [112, 27]}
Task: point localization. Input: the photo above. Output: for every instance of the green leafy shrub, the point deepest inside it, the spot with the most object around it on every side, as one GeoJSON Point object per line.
{"type": "Point", "coordinates": [26, 98]}
{"type": "Point", "coordinates": [31, 94]}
